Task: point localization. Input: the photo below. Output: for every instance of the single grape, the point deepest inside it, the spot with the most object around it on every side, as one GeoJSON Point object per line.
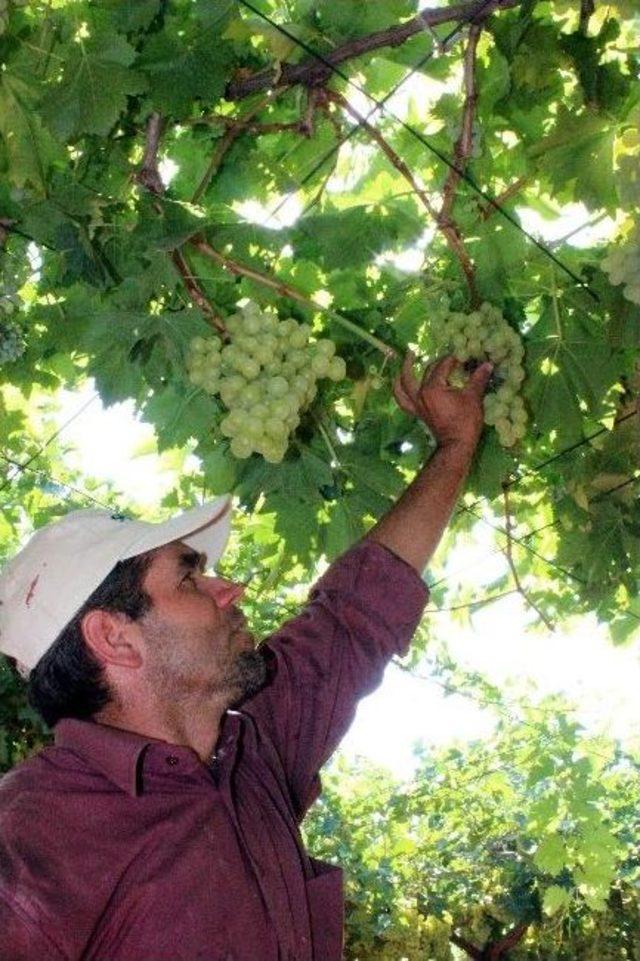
{"type": "Point", "coordinates": [320, 365]}
{"type": "Point", "coordinates": [337, 369]}
{"type": "Point", "coordinates": [241, 448]}
{"type": "Point", "coordinates": [278, 386]}
{"type": "Point", "coordinates": [300, 337]}
{"type": "Point", "coordinates": [326, 348]}
{"type": "Point", "coordinates": [249, 368]}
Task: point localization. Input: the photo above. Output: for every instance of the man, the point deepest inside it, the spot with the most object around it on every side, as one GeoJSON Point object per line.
{"type": "Point", "coordinates": [163, 824]}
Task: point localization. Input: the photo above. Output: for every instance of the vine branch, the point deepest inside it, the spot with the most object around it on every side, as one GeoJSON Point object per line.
{"type": "Point", "coordinates": [493, 950]}
{"type": "Point", "coordinates": [6, 223]}
{"type": "Point", "coordinates": [234, 129]}
{"type": "Point", "coordinates": [197, 294]}
{"type": "Point", "coordinates": [507, 194]}
{"type": "Point", "coordinates": [509, 941]}
{"type": "Point", "coordinates": [464, 144]}
{"type": "Point", "coordinates": [313, 72]}
{"type": "Point", "coordinates": [467, 946]}
{"type": "Point", "coordinates": [149, 177]}
{"type": "Point", "coordinates": [446, 225]}
{"type": "Point", "coordinates": [514, 571]}
{"type": "Point", "coordinates": [285, 290]}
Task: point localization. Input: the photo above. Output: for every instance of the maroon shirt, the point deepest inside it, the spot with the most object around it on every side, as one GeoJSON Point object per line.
{"type": "Point", "coordinates": [117, 847]}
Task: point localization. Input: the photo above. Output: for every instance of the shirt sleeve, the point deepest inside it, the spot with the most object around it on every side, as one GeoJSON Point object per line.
{"type": "Point", "coordinates": [363, 611]}
{"type": "Point", "coordinates": [21, 939]}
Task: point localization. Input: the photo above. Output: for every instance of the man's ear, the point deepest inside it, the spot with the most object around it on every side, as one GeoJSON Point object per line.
{"type": "Point", "coordinates": [110, 638]}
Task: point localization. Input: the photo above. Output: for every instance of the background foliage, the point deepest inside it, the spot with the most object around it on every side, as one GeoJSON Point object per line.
{"type": "Point", "coordinates": [162, 160]}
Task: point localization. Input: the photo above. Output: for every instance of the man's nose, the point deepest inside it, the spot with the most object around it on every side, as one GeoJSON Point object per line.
{"type": "Point", "coordinates": [225, 592]}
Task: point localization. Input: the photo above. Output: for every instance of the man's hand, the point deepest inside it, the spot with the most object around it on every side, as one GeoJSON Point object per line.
{"type": "Point", "coordinates": [453, 415]}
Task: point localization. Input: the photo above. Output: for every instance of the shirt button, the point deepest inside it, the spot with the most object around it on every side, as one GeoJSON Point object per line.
{"type": "Point", "coordinates": [172, 760]}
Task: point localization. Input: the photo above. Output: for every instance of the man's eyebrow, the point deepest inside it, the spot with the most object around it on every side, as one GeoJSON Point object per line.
{"type": "Point", "coordinates": [192, 560]}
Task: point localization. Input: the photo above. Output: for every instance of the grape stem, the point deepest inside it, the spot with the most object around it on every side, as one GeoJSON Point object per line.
{"type": "Point", "coordinates": [335, 460]}
{"type": "Point", "coordinates": [508, 552]}
{"type": "Point", "coordinates": [286, 290]}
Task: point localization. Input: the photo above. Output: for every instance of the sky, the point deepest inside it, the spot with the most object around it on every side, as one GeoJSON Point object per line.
{"type": "Point", "coordinates": [582, 662]}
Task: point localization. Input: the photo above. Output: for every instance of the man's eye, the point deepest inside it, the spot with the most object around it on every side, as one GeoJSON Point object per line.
{"type": "Point", "coordinates": [189, 577]}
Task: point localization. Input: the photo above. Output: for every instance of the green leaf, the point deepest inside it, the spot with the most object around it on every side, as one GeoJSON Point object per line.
{"type": "Point", "coordinates": [354, 236]}
{"type": "Point", "coordinates": [178, 416]}
{"type": "Point", "coordinates": [182, 68]}
{"type": "Point", "coordinates": [577, 156]}
{"type": "Point", "coordinates": [92, 92]}
{"type": "Point", "coordinates": [570, 366]}
{"type": "Point", "coordinates": [342, 530]}
{"type": "Point", "coordinates": [551, 855]}
{"type": "Point", "coordinates": [220, 469]}
{"type": "Point", "coordinates": [555, 899]}
{"type": "Point", "coordinates": [29, 148]}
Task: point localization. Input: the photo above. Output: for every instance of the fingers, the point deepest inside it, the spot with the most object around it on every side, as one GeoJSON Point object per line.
{"type": "Point", "coordinates": [408, 379]}
{"type": "Point", "coordinates": [479, 379]}
{"type": "Point", "coordinates": [438, 374]}
{"type": "Point", "coordinates": [402, 398]}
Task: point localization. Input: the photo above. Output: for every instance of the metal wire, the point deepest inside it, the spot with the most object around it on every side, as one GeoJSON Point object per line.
{"type": "Point", "coordinates": [380, 105]}
{"type": "Point", "coordinates": [568, 450]}
{"type": "Point", "coordinates": [49, 440]}
{"type": "Point", "coordinates": [54, 480]}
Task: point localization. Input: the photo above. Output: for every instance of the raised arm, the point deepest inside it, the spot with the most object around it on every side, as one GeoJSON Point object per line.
{"type": "Point", "coordinates": [364, 610]}
{"type": "Point", "coordinates": [412, 528]}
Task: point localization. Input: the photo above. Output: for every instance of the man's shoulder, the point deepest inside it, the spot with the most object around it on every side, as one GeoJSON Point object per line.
{"type": "Point", "coordinates": [34, 776]}
{"type": "Point", "coordinates": [25, 775]}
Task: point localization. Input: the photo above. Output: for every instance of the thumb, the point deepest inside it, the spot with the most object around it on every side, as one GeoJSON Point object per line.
{"type": "Point", "coordinates": [480, 378]}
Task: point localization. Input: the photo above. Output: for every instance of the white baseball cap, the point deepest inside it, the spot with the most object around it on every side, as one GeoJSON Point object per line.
{"type": "Point", "coordinates": [48, 581]}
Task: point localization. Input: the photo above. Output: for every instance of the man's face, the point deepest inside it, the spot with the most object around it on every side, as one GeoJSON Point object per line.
{"type": "Point", "coordinates": [195, 637]}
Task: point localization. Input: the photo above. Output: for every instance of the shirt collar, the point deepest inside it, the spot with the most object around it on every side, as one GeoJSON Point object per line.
{"type": "Point", "coordinates": [114, 751]}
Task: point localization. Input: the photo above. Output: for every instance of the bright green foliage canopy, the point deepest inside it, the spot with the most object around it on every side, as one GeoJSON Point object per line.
{"type": "Point", "coordinates": [524, 845]}
{"type": "Point", "coordinates": [162, 160]}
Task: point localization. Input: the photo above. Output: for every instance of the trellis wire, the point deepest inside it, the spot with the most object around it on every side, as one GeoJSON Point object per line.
{"type": "Point", "coordinates": [53, 436]}
{"type": "Point", "coordinates": [567, 450]}
{"type": "Point", "coordinates": [54, 481]}
{"type": "Point", "coordinates": [380, 105]}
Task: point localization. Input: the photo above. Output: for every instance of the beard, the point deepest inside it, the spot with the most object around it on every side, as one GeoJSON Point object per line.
{"type": "Point", "coordinates": [246, 675]}
{"type": "Point", "coordinates": [178, 678]}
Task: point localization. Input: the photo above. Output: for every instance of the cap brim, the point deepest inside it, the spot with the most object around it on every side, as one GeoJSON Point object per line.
{"type": "Point", "coordinates": [205, 529]}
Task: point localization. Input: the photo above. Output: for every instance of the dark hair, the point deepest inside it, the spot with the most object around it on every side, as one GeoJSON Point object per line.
{"type": "Point", "coordinates": [68, 680]}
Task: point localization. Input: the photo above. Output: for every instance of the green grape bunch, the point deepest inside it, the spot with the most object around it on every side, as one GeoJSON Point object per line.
{"type": "Point", "coordinates": [266, 376]}
{"type": "Point", "coordinates": [12, 343]}
{"type": "Point", "coordinates": [622, 265]}
{"type": "Point", "coordinates": [485, 335]}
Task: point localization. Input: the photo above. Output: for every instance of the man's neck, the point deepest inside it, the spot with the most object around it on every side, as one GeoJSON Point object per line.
{"type": "Point", "coordinates": [189, 725]}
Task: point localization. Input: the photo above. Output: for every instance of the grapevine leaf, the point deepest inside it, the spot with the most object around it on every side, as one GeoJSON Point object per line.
{"type": "Point", "coordinates": [178, 416]}
{"type": "Point", "coordinates": [93, 89]}
{"type": "Point", "coordinates": [555, 898]}
{"type": "Point", "coordinates": [29, 147]}
{"type": "Point", "coordinates": [181, 69]}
